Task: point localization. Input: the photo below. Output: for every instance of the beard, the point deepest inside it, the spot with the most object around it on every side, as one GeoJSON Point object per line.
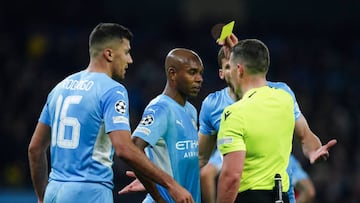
{"type": "Point", "coordinates": [230, 86]}
{"type": "Point", "coordinates": [118, 78]}
{"type": "Point", "coordinates": [238, 94]}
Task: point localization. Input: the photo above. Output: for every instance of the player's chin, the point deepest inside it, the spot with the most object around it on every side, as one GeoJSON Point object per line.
{"type": "Point", "coordinates": [123, 74]}
{"type": "Point", "coordinates": [194, 92]}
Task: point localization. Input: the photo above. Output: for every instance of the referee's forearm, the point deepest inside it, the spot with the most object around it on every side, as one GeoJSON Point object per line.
{"type": "Point", "coordinates": [227, 188]}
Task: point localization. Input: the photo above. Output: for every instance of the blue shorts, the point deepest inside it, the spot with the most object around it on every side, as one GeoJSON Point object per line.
{"type": "Point", "coordinates": [216, 159]}
{"type": "Point", "coordinates": [74, 192]}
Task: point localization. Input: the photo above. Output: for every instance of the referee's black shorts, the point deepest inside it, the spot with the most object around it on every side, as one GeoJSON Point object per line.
{"type": "Point", "coordinates": [259, 196]}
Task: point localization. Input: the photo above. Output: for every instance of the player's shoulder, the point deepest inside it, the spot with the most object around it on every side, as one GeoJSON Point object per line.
{"type": "Point", "coordinates": [282, 86]}
{"type": "Point", "coordinates": [72, 76]}
{"type": "Point", "coordinates": [213, 97]}
{"type": "Point", "coordinates": [100, 80]}
{"type": "Point", "coordinates": [69, 82]}
{"type": "Point", "coordinates": [158, 100]}
{"type": "Point", "coordinates": [160, 103]}
{"type": "Point", "coordinates": [107, 82]}
{"type": "Point", "coordinates": [216, 94]}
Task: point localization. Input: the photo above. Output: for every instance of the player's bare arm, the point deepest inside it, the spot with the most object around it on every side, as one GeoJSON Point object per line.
{"type": "Point", "coordinates": [206, 146]}
{"type": "Point", "coordinates": [38, 158]}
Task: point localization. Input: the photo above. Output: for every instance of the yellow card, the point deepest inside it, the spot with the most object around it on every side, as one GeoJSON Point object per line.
{"type": "Point", "coordinates": [226, 31]}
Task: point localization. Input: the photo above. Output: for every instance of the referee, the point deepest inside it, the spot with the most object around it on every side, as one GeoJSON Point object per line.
{"type": "Point", "coordinates": [255, 134]}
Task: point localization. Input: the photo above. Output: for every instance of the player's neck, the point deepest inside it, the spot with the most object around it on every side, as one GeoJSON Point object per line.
{"type": "Point", "coordinates": [253, 82]}
{"type": "Point", "coordinates": [232, 94]}
{"type": "Point", "coordinates": [174, 94]}
{"type": "Point", "coordinates": [98, 66]}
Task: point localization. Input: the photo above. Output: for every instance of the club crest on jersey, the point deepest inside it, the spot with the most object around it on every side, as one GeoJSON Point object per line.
{"type": "Point", "coordinates": [147, 120]}
{"type": "Point", "coordinates": [120, 106]}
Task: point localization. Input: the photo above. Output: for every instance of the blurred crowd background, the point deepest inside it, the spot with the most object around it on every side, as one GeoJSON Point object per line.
{"type": "Point", "coordinates": [314, 48]}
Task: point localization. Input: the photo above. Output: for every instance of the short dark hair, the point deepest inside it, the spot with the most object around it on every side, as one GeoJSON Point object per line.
{"type": "Point", "coordinates": [105, 32]}
{"type": "Point", "coordinates": [253, 53]}
{"type": "Point", "coordinates": [221, 55]}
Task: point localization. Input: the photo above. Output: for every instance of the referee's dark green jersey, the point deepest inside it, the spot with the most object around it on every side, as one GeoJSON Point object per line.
{"type": "Point", "coordinates": [262, 124]}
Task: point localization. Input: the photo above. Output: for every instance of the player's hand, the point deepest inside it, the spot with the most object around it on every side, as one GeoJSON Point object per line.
{"type": "Point", "coordinates": [228, 43]}
{"type": "Point", "coordinates": [135, 186]}
{"type": "Point", "coordinates": [322, 154]}
{"type": "Point", "coordinates": [231, 40]}
{"type": "Point", "coordinates": [180, 194]}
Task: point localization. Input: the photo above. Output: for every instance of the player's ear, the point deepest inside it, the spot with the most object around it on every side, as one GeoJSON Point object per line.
{"type": "Point", "coordinates": [241, 70]}
{"type": "Point", "coordinates": [221, 74]}
{"type": "Point", "coordinates": [171, 73]}
{"type": "Point", "coordinates": [108, 55]}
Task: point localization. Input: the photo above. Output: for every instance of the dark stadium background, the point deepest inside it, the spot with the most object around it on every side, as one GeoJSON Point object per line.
{"type": "Point", "coordinates": [314, 46]}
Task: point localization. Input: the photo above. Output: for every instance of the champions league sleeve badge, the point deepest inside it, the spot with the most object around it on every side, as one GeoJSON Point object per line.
{"type": "Point", "coordinates": [120, 107]}
{"type": "Point", "coordinates": [147, 120]}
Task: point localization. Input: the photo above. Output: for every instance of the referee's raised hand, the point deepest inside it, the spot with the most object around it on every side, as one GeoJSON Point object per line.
{"type": "Point", "coordinates": [321, 154]}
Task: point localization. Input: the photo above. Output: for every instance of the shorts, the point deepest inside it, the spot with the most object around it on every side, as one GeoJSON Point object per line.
{"type": "Point", "coordinates": [216, 159]}
{"type": "Point", "coordinates": [259, 196]}
{"type": "Point", "coordinates": [75, 192]}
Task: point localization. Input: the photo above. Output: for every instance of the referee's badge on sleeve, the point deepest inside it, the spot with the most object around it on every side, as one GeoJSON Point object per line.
{"type": "Point", "coordinates": [225, 140]}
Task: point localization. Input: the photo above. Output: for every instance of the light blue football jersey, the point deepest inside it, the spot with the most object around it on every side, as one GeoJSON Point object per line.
{"type": "Point", "coordinates": [171, 131]}
{"type": "Point", "coordinates": [211, 110]}
{"type": "Point", "coordinates": [81, 110]}
{"type": "Point", "coordinates": [209, 119]}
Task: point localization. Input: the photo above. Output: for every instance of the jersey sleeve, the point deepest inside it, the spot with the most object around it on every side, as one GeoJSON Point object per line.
{"type": "Point", "coordinates": [153, 124]}
{"type": "Point", "coordinates": [115, 108]}
{"type": "Point", "coordinates": [230, 136]}
{"type": "Point", "coordinates": [297, 111]}
{"type": "Point", "coordinates": [205, 124]}
{"type": "Point", "coordinates": [45, 117]}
